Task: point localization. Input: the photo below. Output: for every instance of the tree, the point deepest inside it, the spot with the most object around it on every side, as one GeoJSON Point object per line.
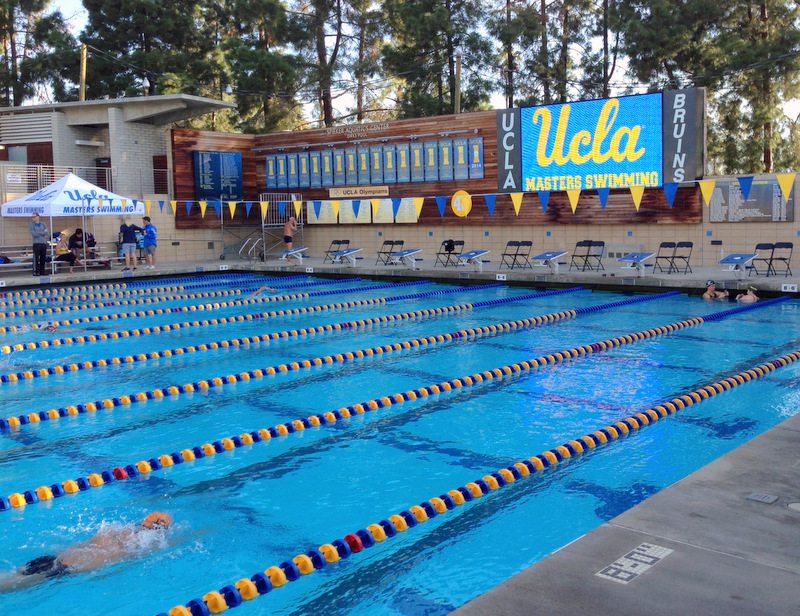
{"type": "Point", "coordinates": [28, 35]}
{"type": "Point", "coordinates": [165, 43]}
{"type": "Point", "coordinates": [427, 37]}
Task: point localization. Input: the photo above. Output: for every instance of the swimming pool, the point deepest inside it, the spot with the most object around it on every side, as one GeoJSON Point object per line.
{"type": "Point", "coordinates": [352, 346]}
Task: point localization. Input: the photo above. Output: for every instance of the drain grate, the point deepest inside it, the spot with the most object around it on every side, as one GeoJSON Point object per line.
{"type": "Point", "coordinates": [762, 497]}
{"type": "Point", "coordinates": [634, 563]}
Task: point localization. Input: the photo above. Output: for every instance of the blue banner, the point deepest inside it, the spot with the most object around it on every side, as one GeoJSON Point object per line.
{"type": "Point", "coordinates": [446, 159]}
{"type": "Point", "coordinates": [280, 170]}
{"type": "Point", "coordinates": [338, 168]}
{"type": "Point", "coordinates": [460, 159]}
{"type": "Point", "coordinates": [610, 143]}
{"type": "Point", "coordinates": [476, 158]}
{"type": "Point", "coordinates": [351, 170]}
{"type": "Point", "coordinates": [403, 163]}
{"type": "Point", "coordinates": [315, 169]}
{"type": "Point", "coordinates": [431, 161]}
{"type": "Point", "coordinates": [327, 167]}
{"type": "Point", "coordinates": [376, 164]}
{"type": "Point", "coordinates": [363, 165]}
{"type": "Point", "coordinates": [417, 163]}
{"type": "Point", "coordinates": [292, 178]}
{"type": "Point", "coordinates": [303, 175]}
{"type": "Point", "coordinates": [389, 165]}
{"type": "Point", "coordinates": [272, 174]}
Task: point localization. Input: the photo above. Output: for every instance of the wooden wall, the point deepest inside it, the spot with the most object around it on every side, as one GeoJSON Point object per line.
{"type": "Point", "coordinates": [619, 209]}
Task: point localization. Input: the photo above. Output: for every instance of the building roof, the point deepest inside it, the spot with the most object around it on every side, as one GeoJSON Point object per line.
{"type": "Point", "coordinates": [156, 110]}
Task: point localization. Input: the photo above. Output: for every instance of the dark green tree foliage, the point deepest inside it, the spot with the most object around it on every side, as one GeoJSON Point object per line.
{"type": "Point", "coordinates": [29, 34]}
{"type": "Point", "coordinates": [261, 70]}
{"type": "Point", "coordinates": [363, 60]}
{"type": "Point", "coordinates": [426, 37]}
{"type": "Point", "coordinates": [165, 42]}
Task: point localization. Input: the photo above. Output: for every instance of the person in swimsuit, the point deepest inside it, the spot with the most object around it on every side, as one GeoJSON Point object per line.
{"type": "Point", "coordinates": [254, 293]}
{"type": "Point", "coordinates": [288, 232]}
{"type": "Point", "coordinates": [712, 293]}
{"type": "Point", "coordinates": [107, 546]}
{"type": "Point", "coordinates": [748, 296]}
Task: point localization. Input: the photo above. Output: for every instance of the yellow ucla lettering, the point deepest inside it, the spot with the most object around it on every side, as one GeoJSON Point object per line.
{"type": "Point", "coordinates": [584, 147]}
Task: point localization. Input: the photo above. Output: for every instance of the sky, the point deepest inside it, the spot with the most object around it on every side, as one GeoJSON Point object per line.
{"type": "Point", "coordinates": [73, 12]}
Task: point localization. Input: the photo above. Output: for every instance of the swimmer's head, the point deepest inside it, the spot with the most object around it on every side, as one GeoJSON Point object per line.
{"type": "Point", "coordinates": [50, 327]}
{"type": "Point", "coordinates": [156, 520]}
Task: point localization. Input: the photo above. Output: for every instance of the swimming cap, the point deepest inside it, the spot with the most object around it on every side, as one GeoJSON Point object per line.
{"type": "Point", "coordinates": [709, 283]}
{"type": "Point", "coordinates": [157, 519]}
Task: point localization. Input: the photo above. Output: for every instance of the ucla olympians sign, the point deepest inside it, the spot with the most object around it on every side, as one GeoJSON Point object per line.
{"type": "Point", "coordinates": [643, 140]}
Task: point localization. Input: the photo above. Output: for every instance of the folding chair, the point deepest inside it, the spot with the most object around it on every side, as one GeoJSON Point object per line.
{"type": "Point", "coordinates": [683, 252]}
{"type": "Point", "coordinates": [336, 246]}
{"type": "Point", "coordinates": [596, 251]}
{"type": "Point", "coordinates": [580, 256]}
{"type": "Point", "coordinates": [449, 252]}
{"type": "Point", "coordinates": [764, 252]}
{"type": "Point", "coordinates": [509, 254]}
{"type": "Point", "coordinates": [665, 256]}
{"type": "Point", "coordinates": [782, 254]}
{"type": "Point", "coordinates": [387, 248]}
{"type": "Point", "coordinates": [522, 258]}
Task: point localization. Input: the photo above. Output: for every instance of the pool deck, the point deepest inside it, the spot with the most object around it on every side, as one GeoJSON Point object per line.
{"type": "Point", "coordinates": [723, 541]}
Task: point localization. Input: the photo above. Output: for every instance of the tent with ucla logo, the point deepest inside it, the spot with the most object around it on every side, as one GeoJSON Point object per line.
{"type": "Point", "coordinates": [72, 196]}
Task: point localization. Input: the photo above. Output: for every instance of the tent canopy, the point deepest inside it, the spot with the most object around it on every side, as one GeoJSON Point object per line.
{"type": "Point", "coordinates": [72, 196]}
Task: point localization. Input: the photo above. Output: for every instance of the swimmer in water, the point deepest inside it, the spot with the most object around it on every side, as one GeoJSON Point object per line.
{"type": "Point", "coordinates": [254, 293]}
{"type": "Point", "coordinates": [108, 545]}
{"type": "Point", "coordinates": [45, 326]}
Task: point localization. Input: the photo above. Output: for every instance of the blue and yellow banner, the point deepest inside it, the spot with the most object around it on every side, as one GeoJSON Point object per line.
{"type": "Point", "coordinates": [611, 143]}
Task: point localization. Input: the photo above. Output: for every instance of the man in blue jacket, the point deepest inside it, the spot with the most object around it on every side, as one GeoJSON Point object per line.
{"type": "Point", "coordinates": [149, 243]}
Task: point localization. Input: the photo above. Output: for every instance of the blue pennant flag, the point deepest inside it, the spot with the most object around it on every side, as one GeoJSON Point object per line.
{"type": "Point", "coordinates": [544, 197]}
{"type": "Point", "coordinates": [281, 208]}
{"type": "Point", "coordinates": [441, 203]}
{"type": "Point", "coordinates": [247, 206]}
{"type": "Point", "coordinates": [161, 205]}
{"type": "Point", "coordinates": [744, 183]}
{"type": "Point", "coordinates": [188, 207]}
{"type": "Point", "coordinates": [395, 206]}
{"type": "Point", "coordinates": [603, 194]}
{"type": "Point", "coordinates": [317, 207]}
{"type": "Point", "coordinates": [490, 199]}
{"type": "Point", "coordinates": [217, 207]}
{"type": "Point", "coordinates": [356, 207]}
{"type": "Point", "coordinates": [670, 188]}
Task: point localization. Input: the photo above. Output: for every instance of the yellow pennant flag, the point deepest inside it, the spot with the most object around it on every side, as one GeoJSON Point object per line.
{"type": "Point", "coordinates": [418, 201]}
{"type": "Point", "coordinates": [203, 205]}
{"type": "Point", "coordinates": [375, 203]}
{"type": "Point", "coordinates": [335, 208]}
{"type": "Point", "coordinates": [636, 193]}
{"type": "Point", "coordinates": [573, 195]}
{"type": "Point", "coordinates": [707, 189]}
{"type": "Point", "coordinates": [298, 205]}
{"type": "Point", "coordinates": [516, 199]}
{"type": "Point", "coordinates": [232, 207]}
{"type": "Point", "coordinates": [146, 206]}
{"type": "Point", "coordinates": [174, 206]}
{"type": "Point", "coordinates": [264, 205]}
{"type": "Point", "coordinates": [785, 181]}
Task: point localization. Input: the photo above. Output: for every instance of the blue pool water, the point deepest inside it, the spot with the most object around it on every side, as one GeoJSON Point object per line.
{"type": "Point", "coordinates": [256, 506]}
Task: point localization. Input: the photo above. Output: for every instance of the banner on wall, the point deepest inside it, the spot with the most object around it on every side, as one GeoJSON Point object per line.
{"type": "Point", "coordinates": [642, 140]}
{"type": "Point", "coordinates": [348, 215]}
{"type": "Point", "coordinates": [389, 165]}
{"type": "Point", "coordinates": [218, 175]}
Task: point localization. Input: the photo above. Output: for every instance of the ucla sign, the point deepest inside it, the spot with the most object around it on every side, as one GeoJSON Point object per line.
{"type": "Point", "coordinates": [613, 143]}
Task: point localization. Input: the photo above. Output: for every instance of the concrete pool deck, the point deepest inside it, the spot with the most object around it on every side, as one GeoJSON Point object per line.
{"type": "Point", "coordinates": [723, 541]}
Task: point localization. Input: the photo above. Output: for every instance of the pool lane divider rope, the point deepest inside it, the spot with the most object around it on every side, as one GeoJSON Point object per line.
{"type": "Point", "coordinates": [154, 290]}
{"type": "Point", "coordinates": [147, 300]}
{"type": "Point", "coordinates": [6, 349]}
{"type": "Point", "coordinates": [187, 281]}
{"type": "Point", "coordinates": [331, 417]}
{"type": "Point", "coordinates": [245, 589]}
{"type": "Point", "coordinates": [339, 358]}
{"type": "Point", "coordinates": [214, 306]}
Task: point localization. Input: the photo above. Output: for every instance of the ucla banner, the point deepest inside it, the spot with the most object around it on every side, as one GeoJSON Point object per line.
{"type": "Point", "coordinates": [612, 143]}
